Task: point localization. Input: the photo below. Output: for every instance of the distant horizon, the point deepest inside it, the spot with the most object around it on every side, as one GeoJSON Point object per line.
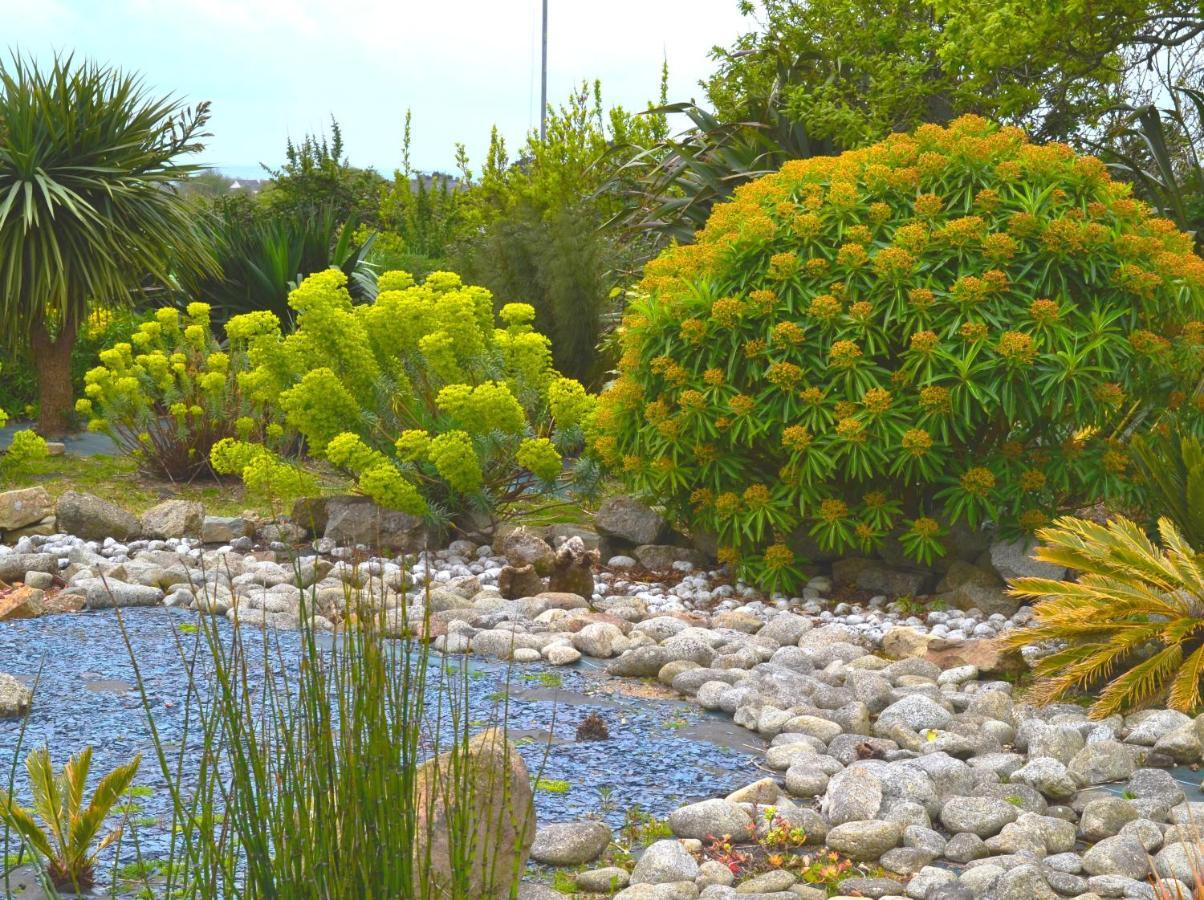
{"type": "Point", "coordinates": [273, 73]}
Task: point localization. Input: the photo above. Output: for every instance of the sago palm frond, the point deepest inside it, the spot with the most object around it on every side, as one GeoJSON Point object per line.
{"type": "Point", "coordinates": [65, 838]}
{"type": "Point", "coordinates": [1130, 626]}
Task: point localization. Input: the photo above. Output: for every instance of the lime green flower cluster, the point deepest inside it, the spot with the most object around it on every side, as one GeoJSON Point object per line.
{"type": "Point", "coordinates": [951, 325]}
{"type": "Point", "coordinates": [422, 396]}
{"type": "Point", "coordinates": [264, 473]}
{"type": "Point", "coordinates": [172, 392]}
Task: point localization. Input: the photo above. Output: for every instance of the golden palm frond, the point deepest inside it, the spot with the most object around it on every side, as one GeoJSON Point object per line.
{"type": "Point", "coordinates": [1131, 625]}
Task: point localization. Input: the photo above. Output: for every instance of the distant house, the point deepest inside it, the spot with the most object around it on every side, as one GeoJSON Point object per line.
{"type": "Point", "coordinates": [251, 185]}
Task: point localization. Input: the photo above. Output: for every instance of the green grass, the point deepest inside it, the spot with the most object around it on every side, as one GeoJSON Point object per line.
{"type": "Point", "coordinates": [552, 785]}
{"type": "Point", "coordinates": [564, 882]}
{"type": "Point", "coordinates": [117, 479]}
{"type": "Point", "coordinates": [544, 679]}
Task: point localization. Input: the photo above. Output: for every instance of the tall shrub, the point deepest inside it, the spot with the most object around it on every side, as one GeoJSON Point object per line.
{"type": "Point", "coordinates": [950, 325]}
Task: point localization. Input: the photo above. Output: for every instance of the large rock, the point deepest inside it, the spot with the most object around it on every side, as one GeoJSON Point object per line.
{"type": "Point", "coordinates": [27, 506]}
{"type": "Point", "coordinates": [573, 568]}
{"type": "Point", "coordinates": [983, 816]}
{"type": "Point", "coordinates": [1181, 859]}
{"type": "Point", "coordinates": [966, 586]}
{"type": "Point", "coordinates": [570, 843]}
{"type": "Point", "coordinates": [665, 862]}
{"type": "Point", "coordinates": [108, 593]}
{"type": "Point", "coordinates": [630, 520]}
{"type": "Point", "coordinates": [357, 520]}
{"type": "Point", "coordinates": [515, 582]}
{"type": "Point", "coordinates": [173, 519]}
{"type": "Point", "coordinates": [1013, 559]}
{"type": "Point", "coordinates": [1102, 762]}
{"type": "Point", "coordinates": [22, 602]}
{"type": "Point", "coordinates": [865, 841]}
{"type": "Point", "coordinates": [496, 821]}
{"type": "Point", "coordinates": [915, 712]}
{"type": "Point", "coordinates": [1120, 855]}
{"type": "Point", "coordinates": [853, 795]}
{"type": "Point", "coordinates": [523, 547]}
{"type": "Point", "coordinates": [13, 566]}
{"type": "Point", "coordinates": [712, 818]}
{"type": "Point", "coordinates": [876, 576]}
{"type": "Point", "coordinates": [661, 557]}
{"type": "Point", "coordinates": [901, 642]}
{"type": "Point", "coordinates": [15, 697]}
{"type": "Point", "coordinates": [94, 519]}
{"type": "Point", "coordinates": [985, 655]}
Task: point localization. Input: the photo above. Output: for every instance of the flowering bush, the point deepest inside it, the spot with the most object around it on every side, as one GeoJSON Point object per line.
{"type": "Point", "coordinates": [949, 325]}
{"type": "Point", "coordinates": [171, 393]}
{"type": "Point", "coordinates": [417, 395]}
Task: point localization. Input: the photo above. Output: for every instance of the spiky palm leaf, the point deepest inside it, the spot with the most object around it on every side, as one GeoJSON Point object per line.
{"type": "Point", "coordinates": [1132, 623]}
{"type": "Point", "coordinates": [1173, 470]}
{"type": "Point", "coordinates": [65, 837]}
{"type": "Point", "coordinates": [88, 202]}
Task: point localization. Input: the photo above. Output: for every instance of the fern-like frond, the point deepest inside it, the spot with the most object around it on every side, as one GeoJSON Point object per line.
{"type": "Point", "coordinates": [45, 789]}
{"type": "Point", "coordinates": [1184, 694]}
{"type": "Point", "coordinates": [1140, 685]}
{"type": "Point", "coordinates": [19, 819]}
{"type": "Point", "coordinates": [108, 792]}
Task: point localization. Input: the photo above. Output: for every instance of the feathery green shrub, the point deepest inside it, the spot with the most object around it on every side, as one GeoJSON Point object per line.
{"type": "Point", "coordinates": [950, 325]}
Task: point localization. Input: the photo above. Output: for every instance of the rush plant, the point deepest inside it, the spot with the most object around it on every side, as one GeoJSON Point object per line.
{"type": "Point", "coordinates": [951, 325]}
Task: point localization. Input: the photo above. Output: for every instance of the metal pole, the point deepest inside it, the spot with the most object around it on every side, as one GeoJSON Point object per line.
{"type": "Point", "coordinates": [543, 80]}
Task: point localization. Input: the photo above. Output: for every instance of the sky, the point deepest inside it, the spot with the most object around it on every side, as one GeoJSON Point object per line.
{"type": "Point", "coordinates": [275, 69]}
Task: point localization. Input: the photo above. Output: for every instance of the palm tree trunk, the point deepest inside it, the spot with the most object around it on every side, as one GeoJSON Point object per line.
{"type": "Point", "coordinates": [52, 360]}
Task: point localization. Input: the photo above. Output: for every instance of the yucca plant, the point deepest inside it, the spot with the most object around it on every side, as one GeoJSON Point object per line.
{"type": "Point", "coordinates": [1131, 625]}
{"type": "Point", "coordinates": [672, 184]}
{"type": "Point", "coordinates": [1167, 165]}
{"type": "Point", "coordinates": [1173, 468]}
{"type": "Point", "coordinates": [89, 210]}
{"type": "Point", "coordinates": [263, 260]}
{"type": "Point", "coordinates": [65, 837]}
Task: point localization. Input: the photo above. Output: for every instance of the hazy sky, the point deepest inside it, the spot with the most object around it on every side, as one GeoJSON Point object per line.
{"type": "Point", "coordinates": [280, 68]}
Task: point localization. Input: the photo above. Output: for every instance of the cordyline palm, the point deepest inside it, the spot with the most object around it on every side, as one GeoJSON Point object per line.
{"type": "Point", "coordinates": [88, 206]}
{"type": "Point", "coordinates": [64, 839]}
{"type": "Point", "coordinates": [1132, 623]}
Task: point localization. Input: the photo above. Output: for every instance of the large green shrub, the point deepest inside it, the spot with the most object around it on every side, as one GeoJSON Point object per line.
{"type": "Point", "coordinates": [950, 325]}
{"type": "Point", "coordinates": [418, 395]}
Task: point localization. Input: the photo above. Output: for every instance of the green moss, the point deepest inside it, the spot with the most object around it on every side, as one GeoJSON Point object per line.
{"type": "Point", "coordinates": [552, 785]}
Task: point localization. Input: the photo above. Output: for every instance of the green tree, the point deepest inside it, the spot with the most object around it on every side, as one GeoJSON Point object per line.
{"type": "Point", "coordinates": [864, 68]}
{"type": "Point", "coordinates": [421, 213]}
{"type": "Point", "coordinates": [318, 176]}
{"type": "Point", "coordinates": [89, 210]}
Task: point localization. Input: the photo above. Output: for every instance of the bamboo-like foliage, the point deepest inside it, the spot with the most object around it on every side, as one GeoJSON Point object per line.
{"type": "Point", "coordinates": [88, 206]}
{"type": "Point", "coordinates": [65, 838]}
{"type": "Point", "coordinates": [1131, 624]}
